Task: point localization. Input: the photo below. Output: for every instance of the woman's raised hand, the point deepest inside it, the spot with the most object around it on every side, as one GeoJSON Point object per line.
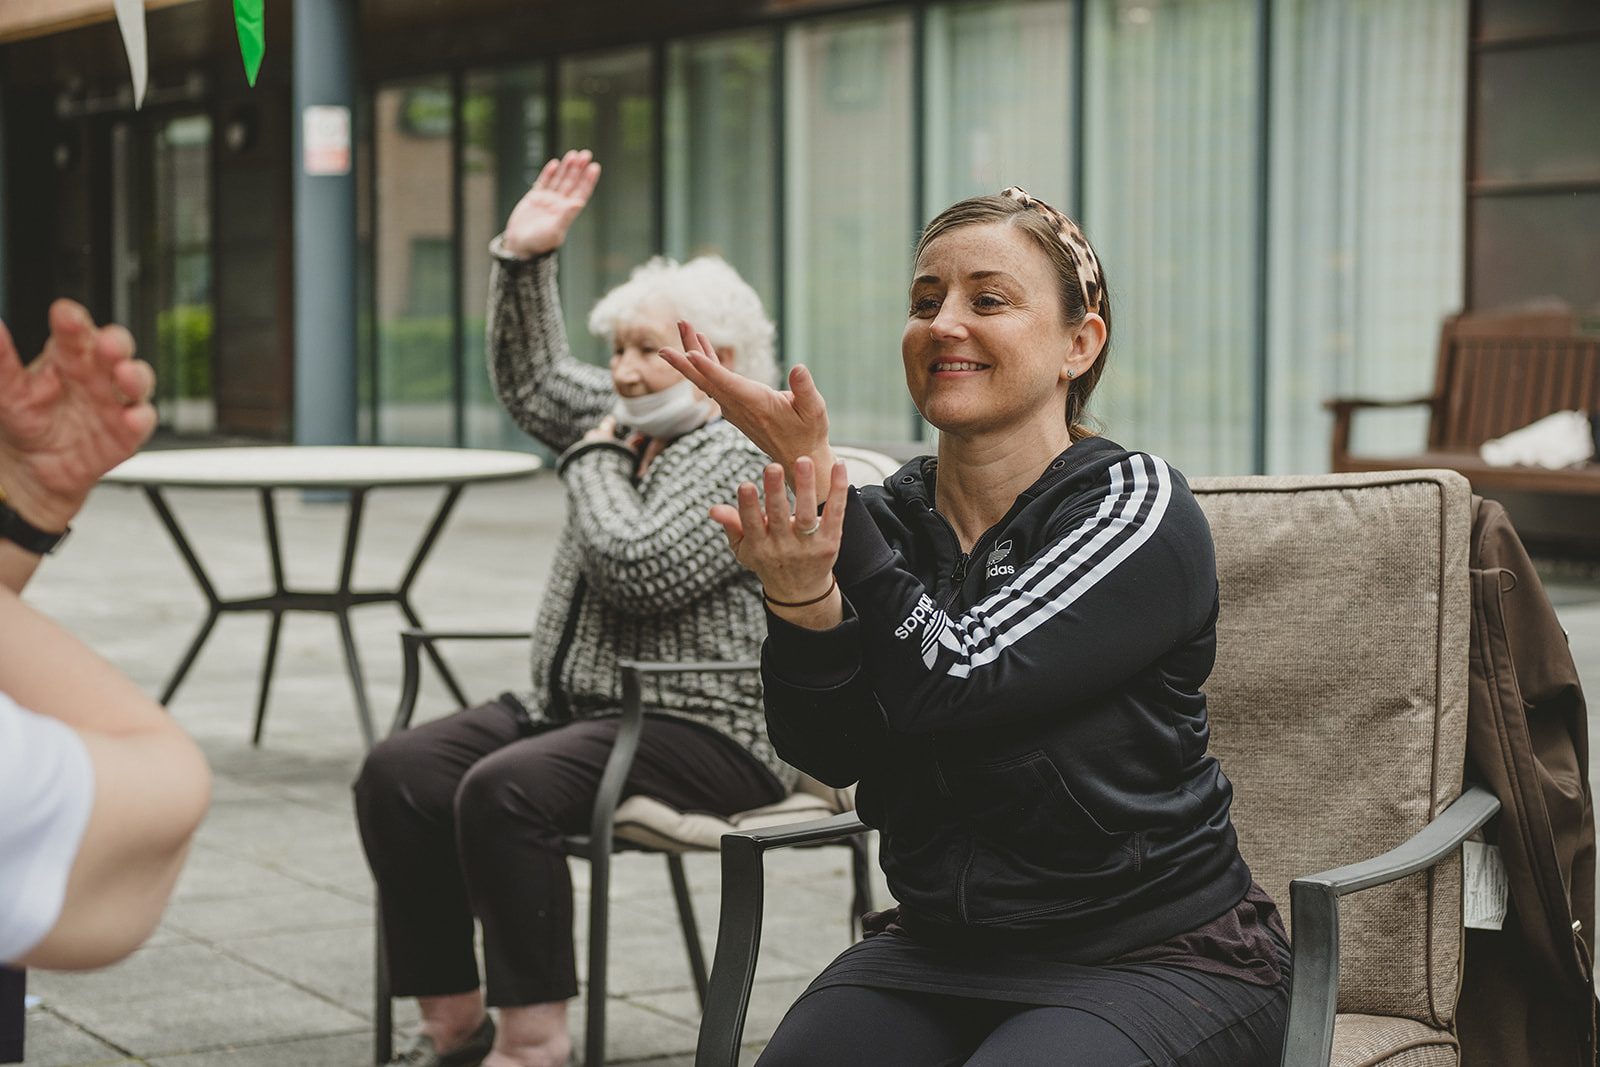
{"type": "Point", "coordinates": [792, 552]}
{"type": "Point", "coordinates": [784, 424]}
{"type": "Point", "coordinates": [539, 222]}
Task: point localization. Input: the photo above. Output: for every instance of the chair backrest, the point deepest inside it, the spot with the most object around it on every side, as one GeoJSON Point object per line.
{"type": "Point", "coordinates": [866, 466]}
{"type": "Point", "coordinates": [1339, 703]}
{"type": "Point", "coordinates": [1500, 373]}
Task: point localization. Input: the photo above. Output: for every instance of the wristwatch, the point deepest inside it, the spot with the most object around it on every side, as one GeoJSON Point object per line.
{"type": "Point", "coordinates": [20, 531]}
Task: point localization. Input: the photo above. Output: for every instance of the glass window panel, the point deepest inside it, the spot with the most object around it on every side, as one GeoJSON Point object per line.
{"type": "Point", "coordinates": [1366, 230]}
{"type": "Point", "coordinates": [504, 135]}
{"type": "Point", "coordinates": [1538, 113]}
{"type": "Point", "coordinates": [415, 331]}
{"type": "Point", "coordinates": [999, 100]}
{"type": "Point", "coordinates": [720, 155]}
{"type": "Point", "coordinates": [1169, 202]}
{"type": "Point", "coordinates": [1521, 18]}
{"type": "Point", "coordinates": [181, 243]}
{"type": "Point", "coordinates": [849, 229]}
{"type": "Point", "coordinates": [607, 105]}
{"type": "Point", "coordinates": [1536, 251]}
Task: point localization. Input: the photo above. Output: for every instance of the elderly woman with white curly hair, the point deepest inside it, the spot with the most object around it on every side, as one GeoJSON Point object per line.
{"type": "Point", "coordinates": [463, 817]}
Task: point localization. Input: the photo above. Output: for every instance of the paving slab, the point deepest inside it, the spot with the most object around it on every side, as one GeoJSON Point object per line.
{"type": "Point", "coordinates": [54, 1042]}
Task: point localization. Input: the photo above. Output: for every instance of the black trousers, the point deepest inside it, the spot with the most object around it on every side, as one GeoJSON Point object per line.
{"type": "Point", "coordinates": [463, 817]}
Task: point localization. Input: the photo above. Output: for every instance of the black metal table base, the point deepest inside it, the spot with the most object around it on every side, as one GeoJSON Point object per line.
{"type": "Point", "coordinates": [336, 602]}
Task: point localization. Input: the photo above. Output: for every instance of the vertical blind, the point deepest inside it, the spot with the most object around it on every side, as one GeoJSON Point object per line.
{"type": "Point", "coordinates": [1368, 127]}
{"type": "Point", "coordinates": [1169, 203]}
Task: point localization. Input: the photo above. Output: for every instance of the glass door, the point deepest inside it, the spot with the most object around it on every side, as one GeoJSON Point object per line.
{"type": "Point", "coordinates": [161, 258]}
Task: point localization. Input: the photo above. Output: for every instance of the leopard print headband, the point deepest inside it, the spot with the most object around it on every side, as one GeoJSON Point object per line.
{"type": "Point", "coordinates": [1090, 280]}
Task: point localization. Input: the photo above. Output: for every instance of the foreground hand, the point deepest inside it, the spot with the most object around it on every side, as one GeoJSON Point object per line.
{"type": "Point", "coordinates": [785, 425]}
{"type": "Point", "coordinates": [792, 552]}
{"type": "Point", "coordinates": [539, 222]}
{"type": "Point", "coordinates": [79, 409]}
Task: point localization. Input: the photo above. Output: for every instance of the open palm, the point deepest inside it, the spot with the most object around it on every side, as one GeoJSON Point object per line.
{"type": "Point", "coordinates": [77, 411]}
{"type": "Point", "coordinates": [540, 221]}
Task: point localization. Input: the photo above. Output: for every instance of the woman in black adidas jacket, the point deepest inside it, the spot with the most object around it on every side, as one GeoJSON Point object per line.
{"type": "Point", "coordinates": [1005, 647]}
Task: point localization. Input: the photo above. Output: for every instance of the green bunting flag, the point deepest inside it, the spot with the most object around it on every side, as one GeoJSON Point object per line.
{"type": "Point", "coordinates": [247, 15]}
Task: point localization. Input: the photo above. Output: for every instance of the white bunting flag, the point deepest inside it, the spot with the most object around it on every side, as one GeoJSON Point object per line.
{"type": "Point", "coordinates": [130, 18]}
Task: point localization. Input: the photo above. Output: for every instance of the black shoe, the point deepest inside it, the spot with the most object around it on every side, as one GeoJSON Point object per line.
{"type": "Point", "coordinates": [471, 1053]}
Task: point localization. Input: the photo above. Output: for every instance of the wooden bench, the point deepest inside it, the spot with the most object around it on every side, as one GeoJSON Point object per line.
{"type": "Point", "coordinates": [1495, 374]}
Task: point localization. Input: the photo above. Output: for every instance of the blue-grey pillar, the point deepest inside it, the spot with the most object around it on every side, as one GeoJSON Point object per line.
{"type": "Point", "coordinates": [325, 309]}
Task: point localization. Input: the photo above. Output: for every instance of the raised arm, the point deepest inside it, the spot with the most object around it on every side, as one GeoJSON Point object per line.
{"type": "Point", "coordinates": [547, 392]}
{"type": "Point", "coordinates": [79, 409]}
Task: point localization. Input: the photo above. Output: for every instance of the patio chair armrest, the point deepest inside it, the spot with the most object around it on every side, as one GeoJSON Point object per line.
{"type": "Point", "coordinates": [1344, 409]}
{"type": "Point", "coordinates": [1353, 403]}
{"type": "Point", "coordinates": [703, 667]}
{"type": "Point", "coordinates": [739, 928]}
{"type": "Point", "coordinates": [1314, 900]}
{"type": "Point", "coordinates": [412, 641]}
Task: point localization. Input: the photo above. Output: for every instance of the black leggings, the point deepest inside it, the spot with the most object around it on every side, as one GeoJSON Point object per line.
{"type": "Point", "coordinates": [861, 1026]}
{"type": "Point", "coordinates": [465, 816]}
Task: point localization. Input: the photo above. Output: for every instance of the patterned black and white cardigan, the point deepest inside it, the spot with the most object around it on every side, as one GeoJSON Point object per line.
{"type": "Point", "coordinates": [641, 571]}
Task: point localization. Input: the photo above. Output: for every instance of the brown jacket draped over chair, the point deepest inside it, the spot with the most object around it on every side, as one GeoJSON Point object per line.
{"type": "Point", "coordinates": [1527, 995]}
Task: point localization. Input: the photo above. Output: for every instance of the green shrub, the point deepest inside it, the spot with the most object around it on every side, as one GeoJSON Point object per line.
{"type": "Point", "coordinates": [183, 335]}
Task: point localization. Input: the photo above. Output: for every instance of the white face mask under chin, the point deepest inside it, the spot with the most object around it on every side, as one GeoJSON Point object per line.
{"type": "Point", "coordinates": [672, 412]}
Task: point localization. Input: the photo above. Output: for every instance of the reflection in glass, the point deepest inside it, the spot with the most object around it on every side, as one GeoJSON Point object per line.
{"type": "Point", "coordinates": [607, 105]}
{"type": "Point", "coordinates": [1169, 202]}
{"type": "Point", "coordinates": [1551, 240]}
{"type": "Point", "coordinates": [1538, 114]}
{"type": "Point", "coordinates": [998, 97]}
{"type": "Point", "coordinates": [162, 259]}
{"type": "Point", "coordinates": [849, 230]}
{"type": "Point", "coordinates": [413, 278]}
{"type": "Point", "coordinates": [503, 146]}
{"type": "Point", "coordinates": [720, 155]}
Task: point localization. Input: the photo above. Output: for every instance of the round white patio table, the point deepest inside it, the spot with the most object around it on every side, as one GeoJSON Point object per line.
{"type": "Point", "coordinates": [356, 469]}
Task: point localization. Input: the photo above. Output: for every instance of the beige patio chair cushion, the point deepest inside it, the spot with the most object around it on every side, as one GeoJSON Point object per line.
{"type": "Point", "coordinates": [1338, 709]}
{"type": "Point", "coordinates": [1385, 1041]}
{"type": "Point", "coordinates": [647, 821]}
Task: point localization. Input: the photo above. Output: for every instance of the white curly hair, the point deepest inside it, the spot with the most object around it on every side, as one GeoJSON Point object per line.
{"type": "Point", "coordinates": [706, 292]}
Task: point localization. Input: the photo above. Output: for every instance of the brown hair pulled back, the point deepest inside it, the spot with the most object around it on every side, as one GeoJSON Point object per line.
{"type": "Point", "coordinates": [978, 210]}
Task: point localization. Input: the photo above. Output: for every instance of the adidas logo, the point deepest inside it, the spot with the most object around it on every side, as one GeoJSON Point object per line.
{"type": "Point", "coordinates": [1001, 551]}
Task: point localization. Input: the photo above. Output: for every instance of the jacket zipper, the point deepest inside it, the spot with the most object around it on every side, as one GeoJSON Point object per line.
{"type": "Point", "coordinates": [560, 707]}
{"type": "Point", "coordinates": [958, 576]}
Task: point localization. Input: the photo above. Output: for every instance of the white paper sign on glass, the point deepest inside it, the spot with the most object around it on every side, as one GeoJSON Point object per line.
{"type": "Point", "coordinates": [325, 133]}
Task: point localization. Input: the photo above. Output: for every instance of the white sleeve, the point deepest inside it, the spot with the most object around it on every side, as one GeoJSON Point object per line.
{"type": "Point", "coordinates": [46, 793]}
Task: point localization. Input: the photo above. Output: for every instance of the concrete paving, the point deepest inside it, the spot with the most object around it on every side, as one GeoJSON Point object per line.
{"type": "Point", "coordinates": [265, 956]}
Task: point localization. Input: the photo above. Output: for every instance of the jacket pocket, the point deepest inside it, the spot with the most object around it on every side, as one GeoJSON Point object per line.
{"type": "Point", "coordinates": [1035, 850]}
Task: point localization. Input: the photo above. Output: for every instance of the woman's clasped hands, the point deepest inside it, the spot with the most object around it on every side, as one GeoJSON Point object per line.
{"type": "Point", "coordinates": [792, 550]}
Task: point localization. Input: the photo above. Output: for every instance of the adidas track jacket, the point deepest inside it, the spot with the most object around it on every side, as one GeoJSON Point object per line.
{"type": "Point", "coordinates": [1025, 721]}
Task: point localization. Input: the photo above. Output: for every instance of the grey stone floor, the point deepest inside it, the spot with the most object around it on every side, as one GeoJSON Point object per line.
{"type": "Point", "coordinates": [265, 956]}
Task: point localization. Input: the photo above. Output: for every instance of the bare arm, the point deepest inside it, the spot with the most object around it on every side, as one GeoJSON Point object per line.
{"type": "Point", "coordinates": [151, 789]}
{"type": "Point", "coordinates": [77, 411]}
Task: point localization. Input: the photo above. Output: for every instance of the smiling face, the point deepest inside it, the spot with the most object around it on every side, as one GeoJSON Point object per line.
{"type": "Point", "coordinates": [986, 347]}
